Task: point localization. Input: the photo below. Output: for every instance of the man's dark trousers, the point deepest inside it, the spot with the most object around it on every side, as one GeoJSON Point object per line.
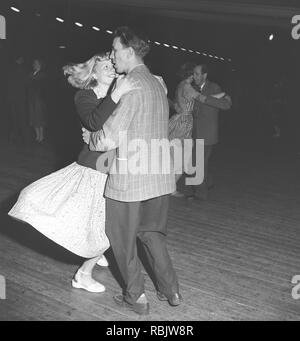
{"type": "Point", "coordinates": [146, 220]}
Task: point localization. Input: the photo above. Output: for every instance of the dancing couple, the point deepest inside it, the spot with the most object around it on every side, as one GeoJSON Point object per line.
{"type": "Point", "coordinates": [182, 122]}
{"type": "Point", "coordinates": [86, 209]}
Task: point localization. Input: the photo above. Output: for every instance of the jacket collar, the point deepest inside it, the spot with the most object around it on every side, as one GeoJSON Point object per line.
{"type": "Point", "coordinates": [138, 68]}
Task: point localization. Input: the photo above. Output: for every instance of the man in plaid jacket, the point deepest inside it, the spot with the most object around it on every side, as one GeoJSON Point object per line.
{"type": "Point", "coordinates": [140, 179]}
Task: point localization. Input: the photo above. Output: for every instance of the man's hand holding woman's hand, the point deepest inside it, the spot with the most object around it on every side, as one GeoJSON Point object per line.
{"type": "Point", "coordinates": [223, 95]}
{"type": "Point", "coordinates": [220, 95]}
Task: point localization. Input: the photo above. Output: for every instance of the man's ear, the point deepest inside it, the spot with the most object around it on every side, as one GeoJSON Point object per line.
{"type": "Point", "coordinates": [130, 52]}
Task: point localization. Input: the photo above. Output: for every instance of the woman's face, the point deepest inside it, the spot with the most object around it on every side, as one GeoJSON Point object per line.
{"type": "Point", "coordinates": [190, 79]}
{"type": "Point", "coordinates": [36, 65]}
{"type": "Point", "coordinates": [105, 72]}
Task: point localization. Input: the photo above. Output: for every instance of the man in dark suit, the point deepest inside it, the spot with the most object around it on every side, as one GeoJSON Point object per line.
{"type": "Point", "coordinates": [205, 126]}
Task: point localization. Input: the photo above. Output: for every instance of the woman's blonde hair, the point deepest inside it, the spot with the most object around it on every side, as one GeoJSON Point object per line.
{"type": "Point", "coordinates": [82, 75]}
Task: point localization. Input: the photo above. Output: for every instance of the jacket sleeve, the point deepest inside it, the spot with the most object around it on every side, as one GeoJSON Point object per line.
{"type": "Point", "coordinates": [223, 103]}
{"type": "Point", "coordinates": [92, 113]}
{"type": "Point", "coordinates": [115, 128]}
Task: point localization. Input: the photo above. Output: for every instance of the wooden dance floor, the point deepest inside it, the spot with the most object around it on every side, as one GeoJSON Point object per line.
{"type": "Point", "coordinates": [235, 254]}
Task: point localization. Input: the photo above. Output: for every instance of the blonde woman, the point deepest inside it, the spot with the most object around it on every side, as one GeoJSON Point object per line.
{"type": "Point", "coordinates": [68, 206]}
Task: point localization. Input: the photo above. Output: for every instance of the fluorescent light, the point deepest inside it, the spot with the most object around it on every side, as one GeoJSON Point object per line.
{"type": "Point", "coordinates": [183, 49]}
{"type": "Point", "coordinates": [109, 32]}
{"type": "Point", "coordinates": [157, 43]}
{"type": "Point", "coordinates": [59, 19]}
{"type": "Point", "coordinates": [271, 36]}
{"type": "Point", "coordinates": [166, 45]}
{"type": "Point", "coordinates": [96, 28]}
{"type": "Point", "coordinates": [175, 47]}
{"type": "Point", "coordinates": [198, 52]}
{"type": "Point", "coordinates": [78, 24]}
{"type": "Point", "coordinates": [191, 51]}
{"type": "Point", "coordinates": [204, 54]}
{"type": "Point", "coordinates": [62, 47]}
{"type": "Point", "coordinates": [15, 9]}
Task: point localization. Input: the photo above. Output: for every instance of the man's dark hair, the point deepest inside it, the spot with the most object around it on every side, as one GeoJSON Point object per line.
{"type": "Point", "coordinates": [134, 39]}
{"type": "Point", "coordinates": [186, 70]}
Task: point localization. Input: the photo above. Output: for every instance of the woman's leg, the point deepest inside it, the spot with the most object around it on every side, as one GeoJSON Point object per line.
{"type": "Point", "coordinates": [83, 278]}
{"type": "Point", "coordinates": [41, 134]}
{"type": "Point", "coordinates": [177, 156]}
{"type": "Point", "coordinates": [88, 266]}
{"type": "Point", "coordinates": [37, 134]}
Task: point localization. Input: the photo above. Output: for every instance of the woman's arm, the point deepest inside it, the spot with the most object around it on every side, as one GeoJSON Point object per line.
{"type": "Point", "coordinates": [92, 113]}
{"type": "Point", "coordinates": [189, 92]}
{"type": "Point", "coordinates": [223, 103]}
{"type": "Point", "coordinates": [219, 100]}
{"type": "Point", "coordinates": [112, 134]}
{"type": "Point", "coordinates": [179, 99]}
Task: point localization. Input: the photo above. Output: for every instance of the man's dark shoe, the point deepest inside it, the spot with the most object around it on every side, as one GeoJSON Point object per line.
{"type": "Point", "coordinates": [201, 196]}
{"type": "Point", "coordinates": [173, 300]}
{"type": "Point", "coordinates": [177, 194]}
{"type": "Point", "coordinates": [198, 197]}
{"type": "Point", "coordinates": [139, 308]}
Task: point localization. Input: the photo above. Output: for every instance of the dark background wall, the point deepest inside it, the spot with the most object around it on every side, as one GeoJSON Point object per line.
{"type": "Point", "coordinates": [255, 62]}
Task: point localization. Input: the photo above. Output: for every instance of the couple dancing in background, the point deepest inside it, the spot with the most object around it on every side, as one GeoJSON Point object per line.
{"type": "Point", "coordinates": [208, 97]}
{"type": "Point", "coordinates": [68, 206]}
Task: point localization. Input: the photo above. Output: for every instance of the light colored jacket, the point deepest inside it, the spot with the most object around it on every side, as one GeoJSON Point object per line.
{"type": "Point", "coordinates": [139, 171]}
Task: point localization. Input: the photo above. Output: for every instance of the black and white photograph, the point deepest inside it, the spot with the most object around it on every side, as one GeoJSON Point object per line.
{"type": "Point", "coordinates": [150, 163]}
